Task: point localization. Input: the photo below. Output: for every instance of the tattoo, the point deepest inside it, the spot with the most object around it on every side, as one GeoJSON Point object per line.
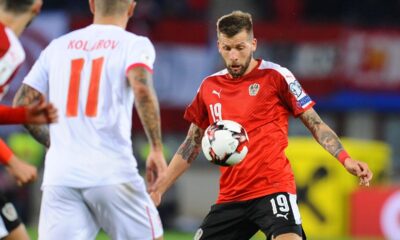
{"type": "Point", "coordinates": [146, 104]}
{"type": "Point", "coordinates": [321, 132]}
{"type": "Point", "coordinates": [25, 96]}
{"type": "Point", "coordinates": [191, 147]}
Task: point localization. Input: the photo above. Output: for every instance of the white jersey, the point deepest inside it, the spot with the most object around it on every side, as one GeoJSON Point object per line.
{"type": "Point", "coordinates": [12, 55]}
{"type": "Point", "coordinates": [83, 73]}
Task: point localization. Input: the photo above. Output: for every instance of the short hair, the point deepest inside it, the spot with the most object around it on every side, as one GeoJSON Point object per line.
{"type": "Point", "coordinates": [233, 23]}
{"type": "Point", "coordinates": [16, 6]}
{"type": "Point", "coordinates": [112, 7]}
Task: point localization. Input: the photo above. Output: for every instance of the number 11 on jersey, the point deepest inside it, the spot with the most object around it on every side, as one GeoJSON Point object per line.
{"type": "Point", "coordinates": [74, 86]}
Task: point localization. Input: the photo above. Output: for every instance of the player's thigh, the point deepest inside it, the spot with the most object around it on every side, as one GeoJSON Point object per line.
{"type": "Point", "coordinates": [9, 220]}
{"type": "Point", "coordinates": [64, 215]}
{"type": "Point", "coordinates": [18, 233]}
{"type": "Point", "coordinates": [125, 211]}
{"type": "Point", "coordinates": [226, 221]}
{"type": "Point", "coordinates": [278, 214]}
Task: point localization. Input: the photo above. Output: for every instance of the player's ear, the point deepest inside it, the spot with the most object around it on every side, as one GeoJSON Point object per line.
{"type": "Point", "coordinates": [36, 6]}
{"type": "Point", "coordinates": [91, 5]}
{"type": "Point", "coordinates": [131, 8]}
{"type": "Point", "coordinates": [254, 44]}
{"type": "Point", "coordinates": [219, 49]}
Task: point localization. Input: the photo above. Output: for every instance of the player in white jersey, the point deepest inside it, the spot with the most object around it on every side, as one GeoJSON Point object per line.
{"type": "Point", "coordinates": [91, 180]}
{"type": "Point", "coordinates": [15, 15]}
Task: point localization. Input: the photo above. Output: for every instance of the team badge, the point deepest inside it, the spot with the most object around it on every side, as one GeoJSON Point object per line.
{"type": "Point", "coordinates": [9, 212]}
{"type": "Point", "coordinates": [198, 234]}
{"type": "Point", "coordinates": [253, 89]}
{"type": "Point", "coordinates": [295, 88]}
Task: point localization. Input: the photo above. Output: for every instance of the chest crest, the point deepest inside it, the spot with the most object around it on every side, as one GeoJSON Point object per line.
{"type": "Point", "coordinates": [253, 89]}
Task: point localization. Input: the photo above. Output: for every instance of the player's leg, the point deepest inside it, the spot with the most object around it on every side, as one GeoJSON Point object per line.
{"type": "Point", "coordinates": [125, 211]}
{"type": "Point", "coordinates": [11, 226]}
{"type": "Point", "coordinates": [226, 221]}
{"type": "Point", "coordinates": [278, 216]}
{"type": "Point", "coordinates": [65, 216]}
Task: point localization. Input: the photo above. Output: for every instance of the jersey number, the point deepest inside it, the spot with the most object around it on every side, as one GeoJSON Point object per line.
{"type": "Point", "coordinates": [280, 204]}
{"type": "Point", "coordinates": [74, 84]}
{"type": "Point", "coordinates": [216, 111]}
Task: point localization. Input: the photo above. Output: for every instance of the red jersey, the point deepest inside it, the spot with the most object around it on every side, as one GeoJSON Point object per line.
{"type": "Point", "coordinates": [261, 102]}
{"type": "Point", "coordinates": [11, 57]}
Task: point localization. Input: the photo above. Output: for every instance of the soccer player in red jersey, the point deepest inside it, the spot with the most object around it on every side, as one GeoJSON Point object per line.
{"type": "Point", "coordinates": [260, 192]}
{"type": "Point", "coordinates": [15, 15]}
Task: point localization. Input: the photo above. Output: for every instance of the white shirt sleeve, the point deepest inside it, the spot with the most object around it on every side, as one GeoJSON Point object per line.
{"type": "Point", "coordinates": [38, 77]}
{"type": "Point", "coordinates": [141, 53]}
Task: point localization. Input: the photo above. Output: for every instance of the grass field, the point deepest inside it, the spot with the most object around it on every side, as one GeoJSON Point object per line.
{"type": "Point", "coordinates": [170, 235]}
{"type": "Point", "coordinates": [103, 236]}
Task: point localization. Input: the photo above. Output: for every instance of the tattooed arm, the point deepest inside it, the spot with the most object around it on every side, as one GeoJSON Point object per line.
{"type": "Point", "coordinates": [26, 96]}
{"type": "Point", "coordinates": [146, 104]}
{"type": "Point", "coordinates": [328, 139]}
{"type": "Point", "coordinates": [181, 161]}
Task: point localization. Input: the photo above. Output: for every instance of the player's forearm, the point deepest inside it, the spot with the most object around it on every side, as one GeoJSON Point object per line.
{"type": "Point", "coordinates": [175, 169]}
{"type": "Point", "coordinates": [146, 103]}
{"type": "Point", "coordinates": [25, 96]}
{"type": "Point", "coordinates": [186, 154]}
{"type": "Point", "coordinates": [324, 135]}
{"type": "Point", "coordinates": [149, 113]}
{"type": "Point", "coordinates": [40, 133]}
{"type": "Point", "coordinates": [328, 139]}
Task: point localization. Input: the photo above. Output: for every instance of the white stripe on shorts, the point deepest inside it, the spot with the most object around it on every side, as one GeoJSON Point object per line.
{"type": "Point", "coordinates": [295, 208]}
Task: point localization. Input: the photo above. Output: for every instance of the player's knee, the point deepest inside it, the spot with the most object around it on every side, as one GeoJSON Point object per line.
{"type": "Point", "coordinates": [160, 238]}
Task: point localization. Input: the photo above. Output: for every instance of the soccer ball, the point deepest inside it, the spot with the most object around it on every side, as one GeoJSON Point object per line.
{"type": "Point", "coordinates": [225, 143]}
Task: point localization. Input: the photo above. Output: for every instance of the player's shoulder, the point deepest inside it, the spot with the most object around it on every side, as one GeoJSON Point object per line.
{"type": "Point", "coordinates": [217, 75]}
{"type": "Point", "coordinates": [281, 73]}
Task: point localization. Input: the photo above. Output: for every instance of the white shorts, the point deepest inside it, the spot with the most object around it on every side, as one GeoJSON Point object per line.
{"type": "Point", "coordinates": [124, 211]}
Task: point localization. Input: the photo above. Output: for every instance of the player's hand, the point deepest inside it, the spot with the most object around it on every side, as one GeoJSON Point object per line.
{"type": "Point", "coordinates": [21, 171]}
{"type": "Point", "coordinates": [156, 197]}
{"type": "Point", "coordinates": [359, 169]}
{"type": "Point", "coordinates": [155, 168]}
{"type": "Point", "coordinates": [41, 112]}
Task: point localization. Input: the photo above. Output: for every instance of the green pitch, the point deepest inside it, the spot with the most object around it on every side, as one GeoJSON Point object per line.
{"type": "Point", "coordinates": [169, 235]}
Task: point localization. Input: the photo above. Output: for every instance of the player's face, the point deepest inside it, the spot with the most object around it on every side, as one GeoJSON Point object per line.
{"type": "Point", "coordinates": [237, 52]}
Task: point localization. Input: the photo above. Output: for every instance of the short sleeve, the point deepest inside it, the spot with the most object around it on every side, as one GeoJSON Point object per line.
{"type": "Point", "coordinates": [38, 77]}
{"type": "Point", "coordinates": [196, 112]}
{"type": "Point", "coordinates": [140, 53]}
{"type": "Point", "coordinates": [292, 93]}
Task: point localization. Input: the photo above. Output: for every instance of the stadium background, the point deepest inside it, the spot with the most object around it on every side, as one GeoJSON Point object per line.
{"type": "Point", "coordinates": [346, 53]}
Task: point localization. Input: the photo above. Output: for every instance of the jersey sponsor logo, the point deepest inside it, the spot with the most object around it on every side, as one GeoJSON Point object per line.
{"type": "Point", "coordinates": [9, 212]}
{"type": "Point", "coordinates": [217, 93]}
{"type": "Point", "coordinates": [253, 89]}
{"type": "Point", "coordinates": [198, 234]}
{"type": "Point", "coordinates": [295, 88]}
{"type": "Point", "coordinates": [86, 46]}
